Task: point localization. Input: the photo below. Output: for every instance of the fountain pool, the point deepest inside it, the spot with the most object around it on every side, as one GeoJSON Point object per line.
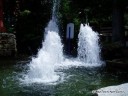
{"type": "Point", "coordinates": [49, 73]}
{"type": "Point", "coordinates": [50, 58]}
{"type": "Point", "coordinates": [77, 81]}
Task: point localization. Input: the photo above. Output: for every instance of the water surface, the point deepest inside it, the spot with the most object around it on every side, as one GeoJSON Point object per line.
{"type": "Point", "coordinates": [77, 81]}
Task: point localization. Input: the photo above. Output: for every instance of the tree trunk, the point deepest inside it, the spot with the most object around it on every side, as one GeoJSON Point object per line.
{"type": "Point", "coordinates": [118, 34]}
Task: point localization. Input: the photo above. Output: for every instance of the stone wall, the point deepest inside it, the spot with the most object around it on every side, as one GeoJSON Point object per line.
{"type": "Point", "coordinates": [7, 44]}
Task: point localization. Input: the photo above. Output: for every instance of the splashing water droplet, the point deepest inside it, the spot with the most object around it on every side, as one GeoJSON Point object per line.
{"type": "Point", "coordinates": [88, 46]}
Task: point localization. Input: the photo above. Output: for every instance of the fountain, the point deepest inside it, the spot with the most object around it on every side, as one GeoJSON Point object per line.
{"type": "Point", "coordinates": [88, 46]}
{"type": "Point", "coordinates": [41, 68]}
{"type": "Point", "coordinates": [88, 49]}
{"type": "Point", "coordinates": [50, 66]}
{"type": "Point", "coordinates": [50, 57]}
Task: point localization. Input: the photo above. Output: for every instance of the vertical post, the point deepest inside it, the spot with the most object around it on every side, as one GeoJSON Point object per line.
{"type": "Point", "coordinates": [2, 28]}
{"type": "Point", "coordinates": [69, 36]}
{"type": "Point", "coordinates": [69, 41]}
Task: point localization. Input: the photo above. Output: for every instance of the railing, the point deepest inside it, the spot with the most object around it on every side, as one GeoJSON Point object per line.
{"type": "Point", "coordinates": [106, 34]}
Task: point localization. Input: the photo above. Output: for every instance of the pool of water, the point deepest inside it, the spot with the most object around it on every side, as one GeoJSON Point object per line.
{"type": "Point", "coordinates": [77, 81]}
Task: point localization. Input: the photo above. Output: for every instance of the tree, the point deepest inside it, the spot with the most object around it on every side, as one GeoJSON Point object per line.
{"type": "Point", "coordinates": [32, 20]}
{"type": "Point", "coordinates": [118, 34]}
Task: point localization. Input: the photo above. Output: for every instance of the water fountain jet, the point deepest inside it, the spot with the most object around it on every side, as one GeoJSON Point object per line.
{"type": "Point", "coordinates": [42, 68]}
{"type": "Point", "coordinates": [88, 46]}
{"type": "Point", "coordinates": [50, 56]}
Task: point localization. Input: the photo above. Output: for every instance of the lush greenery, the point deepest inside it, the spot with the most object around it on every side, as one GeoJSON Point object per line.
{"type": "Point", "coordinates": [28, 18]}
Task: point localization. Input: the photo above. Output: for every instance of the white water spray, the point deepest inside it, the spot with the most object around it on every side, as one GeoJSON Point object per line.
{"type": "Point", "coordinates": [88, 49]}
{"type": "Point", "coordinates": [42, 68]}
{"type": "Point", "coordinates": [88, 46]}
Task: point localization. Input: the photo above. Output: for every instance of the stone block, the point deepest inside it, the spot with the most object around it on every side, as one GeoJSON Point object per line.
{"type": "Point", "coordinates": [7, 44]}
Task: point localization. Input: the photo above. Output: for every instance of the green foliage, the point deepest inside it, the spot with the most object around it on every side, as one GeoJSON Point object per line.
{"type": "Point", "coordinates": [126, 19]}
{"type": "Point", "coordinates": [25, 12]}
{"type": "Point", "coordinates": [98, 11]}
{"type": "Point", "coordinates": [34, 15]}
{"type": "Point", "coordinates": [76, 21]}
{"type": "Point", "coordinates": [30, 24]}
{"type": "Point", "coordinates": [65, 9]}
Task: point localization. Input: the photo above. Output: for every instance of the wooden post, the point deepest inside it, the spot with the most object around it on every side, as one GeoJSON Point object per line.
{"type": "Point", "coordinates": [2, 28]}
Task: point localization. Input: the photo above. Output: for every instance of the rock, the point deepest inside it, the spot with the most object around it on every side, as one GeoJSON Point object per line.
{"type": "Point", "coordinates": [7, 44]}
{"type": "Point", "coordinates": [119, 90]}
